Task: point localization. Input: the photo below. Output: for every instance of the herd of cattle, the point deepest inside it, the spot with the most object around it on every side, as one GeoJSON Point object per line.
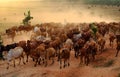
{"type": "Point", "coordinates": [53, 40]}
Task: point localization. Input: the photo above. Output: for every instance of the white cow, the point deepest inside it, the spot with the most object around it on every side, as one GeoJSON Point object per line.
{"type": "Point", "coordinates": [13, 54]}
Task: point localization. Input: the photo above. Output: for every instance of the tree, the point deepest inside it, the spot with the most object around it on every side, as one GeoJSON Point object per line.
{"type": "Point", "coordinates": [94, 29]}
{"type": "Point", "coordinates": [27, 18]}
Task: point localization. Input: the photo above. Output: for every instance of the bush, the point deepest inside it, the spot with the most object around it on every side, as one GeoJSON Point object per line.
{"type": "Point", "coordinates": [109, 63]}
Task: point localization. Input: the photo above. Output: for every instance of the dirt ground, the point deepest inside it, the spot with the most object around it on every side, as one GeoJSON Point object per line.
{"type": "Point", "coordinates": [101, 67]}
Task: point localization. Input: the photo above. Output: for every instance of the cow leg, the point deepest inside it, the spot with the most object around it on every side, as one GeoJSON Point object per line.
{"type": "Point", "coordinates": [60, 63]}
{"type": "Point", "coordinates": [52, 60]}
{"type": "Point", "coordinates": [68, 62]}
{"type": "Point", "coordinates": [58, 55]}
{"type": "Point", "coordinates": [23, 59]}
{"type": "Point", "coordinates": [87, 60]}
{"type": "Point", "coordinates": [36, 62]}
{"type": "Point", "coordinates": [75, 54]}
{"type": "Point", "coordinates": [27, 58]}
{"type": "Point", "coordinates": [84, 60]}
{"type": "Point", "coordinates": [39, 61]}
{"type": "Point", "coordinates": [101, 49]}
{"type": "Point", "coordinates": [93, 56]}
{"type": "Point", "coordinates": [19, 60]}
{"type": "Point", "coordinates": [81, 59]}
{"type": "Point", "coordinates": [117, 53]}
{"type": "Point", "coordinates": [7, 65]}
{"type": "Point", "coordinates": [45, 62]}
{"type": "Point", "coordinates": [14, 62]}
{"type": "Point", "coordinates": [110, 42]}
{"type": "Point", "coordinates": [64, 63]}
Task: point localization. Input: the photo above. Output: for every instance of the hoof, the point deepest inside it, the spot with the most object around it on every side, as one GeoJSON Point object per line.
{"type": "Point", "coordinates": [26, 60]}
{"type": "Point", "coordinates": [60, 67]}
{"type": "Point", "coordinates": [7, 68]}
{"type": "Point", "coordinates": [39, 63]}
{"type": "Point", "coordinates": [24, 63]}
{"type": "Point", "coordinates": [68, 64]}
{"type": "Point", "coordinates": [35, 65]}
{"type": "Point", "coordinates": [64, 66]}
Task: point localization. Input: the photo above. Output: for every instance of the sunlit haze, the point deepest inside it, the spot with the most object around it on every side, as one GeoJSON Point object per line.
{"type": "Point", "coordinates": [12, 11]}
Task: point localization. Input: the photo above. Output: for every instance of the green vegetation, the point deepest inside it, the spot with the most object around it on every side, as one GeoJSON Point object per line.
{"type": "Point", "coordinates": [27, 18]}
{"type": "Point", "coordinates": [109, 63]}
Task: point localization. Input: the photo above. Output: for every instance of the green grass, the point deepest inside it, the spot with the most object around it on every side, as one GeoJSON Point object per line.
{"type": "Point", "coordinates": [109, 63]}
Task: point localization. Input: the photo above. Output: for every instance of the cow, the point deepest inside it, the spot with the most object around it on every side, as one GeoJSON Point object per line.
{"type": "Point", "coordinates": [65, 56]}
{"type": "Point", "coordinates": [101, 42]}
{"type": "Point", "coordinates": [13, 54]}
{"type": "Point", "coordinates": [118, 49]}
{"type": "Point", "coordinates": [111, 39]}
{"type": "Point", "coordinates": [50, 54]}
{"type": "Point", "coordinates": [84, 54]}
{"type": "Point", "coordinates": [77, 46]}
{"type": "Point", "coordinates": [38, 53]}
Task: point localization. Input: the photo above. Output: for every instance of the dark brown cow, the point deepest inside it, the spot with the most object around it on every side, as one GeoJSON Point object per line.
{"type": "Point", "coordinates": [118, 48]}
{"type": "Point", "coordinates": [77, 46]}
{"type": "Point", "coordinates": [31, 45]}
{"type": "Point", "coordinates": [111, 39]}
{"type": "Point", "coordinates": [65, 56]}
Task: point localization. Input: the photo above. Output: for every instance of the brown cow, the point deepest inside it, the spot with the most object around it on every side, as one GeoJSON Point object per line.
{"type": "Point", "coordinates": [111, 39]}
{"type": "Point", "coordinates": [101, 42]}
{"type": "Point", "coordinates": [31, 45]}
{"type": "Point", "coordinates": [50, 54]}
{"type": "Point", "coordinates": [77, 46]}
{"type": "Point", "coordinates": [118, 48]}
{"type": "Point", "coordinates": [11, 34]}
{"type": "Point", "coordinates": [38, 53]}
{"type": "Point", "coordinates": [84, 56]}
{"type": "Point", "coordinates": [65, 56]}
